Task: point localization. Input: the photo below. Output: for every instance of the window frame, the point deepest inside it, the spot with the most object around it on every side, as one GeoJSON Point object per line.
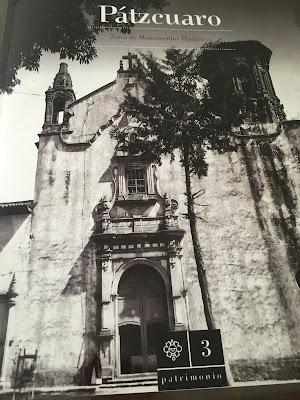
{"type": "Point", "coordinates": [135, 178]}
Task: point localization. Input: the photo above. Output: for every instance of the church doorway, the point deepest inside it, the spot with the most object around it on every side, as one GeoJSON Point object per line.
{"type": "Point", "coordinates": [142, 318]}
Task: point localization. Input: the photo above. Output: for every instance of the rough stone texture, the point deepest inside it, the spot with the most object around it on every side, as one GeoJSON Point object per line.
{"type": "Point", "coordinates": [249, 243]}
{"type": "Point", "coordinates": [56, 377]}
{"type": "Point", "coordinates": [277, 370]}
{"type": "Point", "coordinates": [250, 247]}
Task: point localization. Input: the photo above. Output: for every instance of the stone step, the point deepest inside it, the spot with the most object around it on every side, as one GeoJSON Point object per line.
{"type": "Point", "coordinates": [131, 380]}
{"type": "Point", "coordinates": [116, 384]}
{"type": "Point", "coordinates": [135, 377]}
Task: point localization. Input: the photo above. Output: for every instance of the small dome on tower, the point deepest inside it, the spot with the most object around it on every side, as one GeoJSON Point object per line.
{"type": "Point", "coordinates": [63, 78]}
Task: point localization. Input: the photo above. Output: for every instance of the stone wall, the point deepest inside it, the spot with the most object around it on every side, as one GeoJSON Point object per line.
{"type": "Point", "coordinates": [15, 249]}
{"type": "Point", "coordinates": [251, 251]}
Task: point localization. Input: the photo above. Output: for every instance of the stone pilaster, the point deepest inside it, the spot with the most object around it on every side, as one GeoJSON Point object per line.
{"type": "Point", "coordinates": [174, 258]}
{"type": "Point", "coordinates": [49, 107]}
{"type": "Point", "coordinates": [122, 189]}
{"type": "Point", "coordinates": [106, 334]}
{"type": "Point", "coordinates": [150, 179]}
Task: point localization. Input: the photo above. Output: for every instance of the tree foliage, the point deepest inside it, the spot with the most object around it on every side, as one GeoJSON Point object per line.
{"type": "Point", "coordinates": [176, 111]}
{"type": "Point", "coordinates": [66, 27]}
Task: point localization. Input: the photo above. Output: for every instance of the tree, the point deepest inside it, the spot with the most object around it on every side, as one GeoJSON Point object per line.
{"type": "Point", "coordinates": [66, 27]}
{"type": "Point", "coordinates": [177, 114]}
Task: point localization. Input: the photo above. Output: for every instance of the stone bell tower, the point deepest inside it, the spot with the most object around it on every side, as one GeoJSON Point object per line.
{"type": "Point", "coordinates": [58, 98]}
{"type": "Point", "coordinates": [240, 81]}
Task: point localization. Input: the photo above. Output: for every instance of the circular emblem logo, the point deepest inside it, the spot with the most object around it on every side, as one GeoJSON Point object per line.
{"type": "Point", "coordinates": [172, 349]}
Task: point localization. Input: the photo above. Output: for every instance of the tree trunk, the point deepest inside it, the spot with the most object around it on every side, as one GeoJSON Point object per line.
{"type": "Point", "coordinates": [196, 245]}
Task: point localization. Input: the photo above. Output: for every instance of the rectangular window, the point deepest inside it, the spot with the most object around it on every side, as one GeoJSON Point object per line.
{"type": "Point", "coordinates": [136, 180]}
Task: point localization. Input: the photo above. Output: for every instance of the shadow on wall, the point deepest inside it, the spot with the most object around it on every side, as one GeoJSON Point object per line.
{"type": "Point", "coordinates": [9, 225]}
{"type": "Point", "coordinates": [266, 166]}
{"type": "Point", "coordinates": [83, 279]}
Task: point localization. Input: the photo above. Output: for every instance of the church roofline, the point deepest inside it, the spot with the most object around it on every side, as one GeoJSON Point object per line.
{"type": "Point", "coordinates": [108, 85]}
{"type": "Point", "coordinates": [246, 46]}
{"type": "Point", "coordinates": [16, 207]}
{"type": "Point", "coordinates": [242, 44]}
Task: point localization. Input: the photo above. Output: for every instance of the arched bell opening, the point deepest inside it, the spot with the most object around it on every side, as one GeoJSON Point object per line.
{"type": "Point", "coordinates": [246, 79]}
{"type": "Point", "coordinates": [58, 110]}
{"type": "Point", "coordinates": [142, 318]}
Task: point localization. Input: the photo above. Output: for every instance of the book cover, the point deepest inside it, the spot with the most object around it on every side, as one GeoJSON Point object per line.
{"type": "Point", "coordinates": [149, 196]}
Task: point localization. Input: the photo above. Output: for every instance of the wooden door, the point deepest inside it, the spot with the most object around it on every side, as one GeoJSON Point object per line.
{"type": "Point", "coordinates": [143, 316]}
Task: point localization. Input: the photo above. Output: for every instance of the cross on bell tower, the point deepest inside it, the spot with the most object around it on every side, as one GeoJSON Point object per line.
{"type": "Point", "coordinates": [130, 57]}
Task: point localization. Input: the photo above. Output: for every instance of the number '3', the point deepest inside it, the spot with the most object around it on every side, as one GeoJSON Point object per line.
{"type": "Point", "coordinates": [205, 344]}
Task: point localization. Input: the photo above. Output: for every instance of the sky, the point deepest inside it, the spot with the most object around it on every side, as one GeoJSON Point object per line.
{"type": "Point", "coordinates": [274, 23]}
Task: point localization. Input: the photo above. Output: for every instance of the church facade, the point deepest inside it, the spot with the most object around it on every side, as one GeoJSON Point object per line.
{"type": "Point", "coordinates": [101, 262]}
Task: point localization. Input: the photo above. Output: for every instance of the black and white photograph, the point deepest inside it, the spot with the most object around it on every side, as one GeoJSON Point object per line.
{"type": "Point", "coordinates": [150, 198]}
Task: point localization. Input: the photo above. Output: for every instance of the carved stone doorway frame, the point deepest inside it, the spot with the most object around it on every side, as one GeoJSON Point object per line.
{"type": "Point", "coordinates": [117, 253]}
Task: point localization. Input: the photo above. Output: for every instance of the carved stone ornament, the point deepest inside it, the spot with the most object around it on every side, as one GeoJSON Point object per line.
{"type": "Point", "coordinates": [106, 259]}
{"type": "Point", "coordinates": [103, 206]}
{"type": "Point", "coordinates": [174, 205]}
{"type": "Point", "coordinates": [105, 264]}
{"type": "Point", "coordinates": [172, 261]}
